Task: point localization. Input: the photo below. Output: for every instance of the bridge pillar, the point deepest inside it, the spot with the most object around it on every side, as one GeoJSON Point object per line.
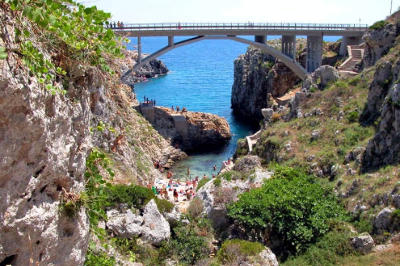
{"type": "Point", "coordinates": [289, 45]}
{"type": "Point", "coordinates": [348, 41]}
{"type": "Point", "coordinates": [260, 38]}
{"type": "Point", "coordinates": [139, 48]}
{"type": "Point", "coordinates": [314, 53]}
{"type": "Point", "coordinates": [170, 40]}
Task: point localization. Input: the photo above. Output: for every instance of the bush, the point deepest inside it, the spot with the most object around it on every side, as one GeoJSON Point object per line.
{"type": "Point", "coordinates": [234, 251]}
{"type": "Point", "coordinates": [217, 182]}
{"type": "Point", "coordinates": [187, 246]}
{"type": "Point", "coordinates": [202, 182]}
{"type": "Point", "coordinates": [196, 207]}
{"type": "Point", "coordinates": [378, 25]}
{"type": "Point", "coordinates": [98, 259]}
{"type": "Point", "coordinates": [292, 206]}
{"type": "Point", "coordinates": [329, 250]}
{"type": "Point", "coordinates": [134, 196]}
{"type": "Point", "coordinates": [353, 116]}
{"type": "Point", "coordinates": [164, 206]}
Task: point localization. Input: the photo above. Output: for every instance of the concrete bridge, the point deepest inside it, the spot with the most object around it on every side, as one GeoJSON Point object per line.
{"type": "Point", "coordinates": [351, 34]}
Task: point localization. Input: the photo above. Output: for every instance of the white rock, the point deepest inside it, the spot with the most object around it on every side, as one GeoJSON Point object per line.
{"type": "Point", "coordinates": [268, 257]}
{"type": "Point", "coordinates": [363, 243]}
{"type": "Point", "coordinates": [155, 228]}
{"type": "Point", "coordinates": [124, 224]}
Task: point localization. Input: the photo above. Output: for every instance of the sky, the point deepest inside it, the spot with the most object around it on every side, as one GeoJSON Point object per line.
{"type": "Point", "coordinates": [300, 11]}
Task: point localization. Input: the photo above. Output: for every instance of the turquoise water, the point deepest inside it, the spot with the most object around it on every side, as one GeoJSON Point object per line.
{"type": "Point", "coordinates": [200, 79]}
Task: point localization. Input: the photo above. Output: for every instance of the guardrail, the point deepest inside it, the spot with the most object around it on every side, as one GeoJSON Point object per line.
{"type": "Point", "coordinates": [236, 26]}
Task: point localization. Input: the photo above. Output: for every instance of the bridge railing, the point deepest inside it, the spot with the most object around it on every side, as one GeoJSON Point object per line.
{"type": "Point", "coordinates": [237, 26]}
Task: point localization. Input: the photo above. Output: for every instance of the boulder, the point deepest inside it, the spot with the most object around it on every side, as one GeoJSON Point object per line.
{"type": "Point", "coordinates": [126, 224]}
{"type": "Point", "coordinates": [268, 257]}
{"type": "Point", "coordinates": [363, 243]}
{"type": "Point", "coordinates": [155, 228]}
{"type": "Point", "coordinates": [383, 220]}
{"type": "Point", "coordinates": [321, 77]}
{"type": "Point", "coordinates": [247, 163]}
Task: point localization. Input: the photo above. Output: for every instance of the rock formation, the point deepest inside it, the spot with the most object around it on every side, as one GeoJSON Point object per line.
{"type": "Point", "coordinates": [189, 130]}
{"type": "Point", "coordinates": [255, 77]}
{"type": "Point", "coordinates": [152, 69]}
{"type": "Point", "coordinates": [378, 42]}
{"type": "Point", "coordinates": [45, 139]}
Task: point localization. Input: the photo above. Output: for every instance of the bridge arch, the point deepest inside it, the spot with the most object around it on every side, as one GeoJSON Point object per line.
{"type": "Point", "coordinates": [288, 61]}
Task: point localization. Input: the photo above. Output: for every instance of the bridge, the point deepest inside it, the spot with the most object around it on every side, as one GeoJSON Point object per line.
{"type": "Point", "coordinates": [351, 34]}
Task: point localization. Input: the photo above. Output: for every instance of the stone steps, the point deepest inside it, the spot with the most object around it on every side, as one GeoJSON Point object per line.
{"type": "Point", "coordinates": [356, 53]}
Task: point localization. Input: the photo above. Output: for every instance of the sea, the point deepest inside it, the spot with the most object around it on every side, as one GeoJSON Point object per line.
{"type": "Point", "coordinates": [200, 78]}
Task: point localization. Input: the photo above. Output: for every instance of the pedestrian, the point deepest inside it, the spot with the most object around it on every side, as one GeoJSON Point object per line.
{"type": "Point", "coordinates": [172, 108]}
{"type": "Point", "coordinates": [154, 102]}
{"type": "Point", "coordinates": [215, 167]}
{"type": "Point", "coordinates": [176, 195]}
{"type": "Point", "coordinates": [177, 108]}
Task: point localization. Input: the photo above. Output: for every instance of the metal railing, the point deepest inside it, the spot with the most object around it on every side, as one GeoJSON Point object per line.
{"type": "Point", "coordinates": [237, 26]}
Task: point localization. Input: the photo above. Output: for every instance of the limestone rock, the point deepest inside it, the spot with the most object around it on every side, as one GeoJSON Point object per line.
{"type": "Point", "coordinates": [247, 163]}
{"type": "Point", "coordinates": [384, 148]}
{"type": "Point", "coordinates": [174, 216]}
{"type": "Point", "coordinates": [126, 224]}
{"type": "Point", "coordinates": [256, 76]}
{"type": "Point", "coordinates": [363, 243]}
{"type": "Point", "coordinates": [383, 220]}
{"type": "Point", "coordinates": [155, 228]}
{"type": "Point", "coordinates": [268, 257]}
{"type": "Point", "coordinates": [152, 69]}
{"type": "Point", "coordinates": [378, 43]}
{"type": "Point", "coordinates": [321, 77]}
{"type": "Point", "coordinates": [189, 130]}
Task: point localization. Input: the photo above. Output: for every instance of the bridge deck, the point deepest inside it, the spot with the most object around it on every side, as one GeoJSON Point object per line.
{"type": "Point", "coordinates": [191, 29]}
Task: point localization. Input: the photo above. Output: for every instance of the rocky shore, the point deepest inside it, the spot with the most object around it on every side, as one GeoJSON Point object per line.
{"type": "Point", "coordinates": [152, 69]}
{"type": "Point", "coordinates": [188, 130]}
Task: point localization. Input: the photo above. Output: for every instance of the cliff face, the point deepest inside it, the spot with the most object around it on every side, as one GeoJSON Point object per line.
{"type": "Point", "coordinates": [45, 139]}
{"type": "Point", "coordinates": [191, 131]}
{"type": "Point", "coordinates": [383, 98]}
{"type": "Point", "coordinates": [256, 76]}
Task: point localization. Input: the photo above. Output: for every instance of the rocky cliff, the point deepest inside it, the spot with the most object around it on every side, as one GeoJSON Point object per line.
{"type": "Point", "coordinates": [256, 78]}
{"type": "Point", "coordinates": [191, 131]}
{"type": "Point", "coordinates": [45, 138]}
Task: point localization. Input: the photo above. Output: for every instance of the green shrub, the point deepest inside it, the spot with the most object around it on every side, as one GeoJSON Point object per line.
{"type": "Point", "coordinates": [164, 206]}
{"type": "Point", "coordinates": [292, 206]}
{"type": "Point", "coordinates": [353, 116]}
{"type": "Point", "coordinates": [217, 182]}
{"type": "Point", "coordinates": [396, 220]}
{"type": "Point", "coordinates": [98, 259]}
{"type": "Point", "coordinates": [187, 246]}
{"type": "Point", "coordinates": [134, 196]}
{"type": "Point", "coordinates": [235, 250]}
{"type": "Point", "coordinates": [202, 182]}
{"type": "Point", "coordinates": [378, 25]}
{"type": "Point", "coordinates": [329, 250]}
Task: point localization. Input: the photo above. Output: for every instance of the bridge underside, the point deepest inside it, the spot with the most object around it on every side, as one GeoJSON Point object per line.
{"type": "Point", "coordinates": [287, 55]}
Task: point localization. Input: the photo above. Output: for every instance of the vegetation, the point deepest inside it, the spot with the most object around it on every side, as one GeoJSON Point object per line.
{"type": "Point", "coordinates": [292, 207]}
{"type": "Point", "coordinates": [329, 250]}
{"type": "Point", "coordinates": [202, 182]}
{"type": "Point", "coordinates": [71, 31]}
{"type": "Point", "coordinates": [378, 25]}
{"type": "Point", "coordinates": [234, 251]}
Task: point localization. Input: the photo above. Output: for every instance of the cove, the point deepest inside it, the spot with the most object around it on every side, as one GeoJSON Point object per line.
{"type": "Point", "coordinates": [200, 79]}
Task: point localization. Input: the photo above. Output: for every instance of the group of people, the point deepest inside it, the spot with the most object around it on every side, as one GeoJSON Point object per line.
{"type": "Point", "coordinates": [148, 101]}
{"type": "Point", "coordinates": [178, 109]}
{"type": "Point", "coordinates": [175, 189]}
{"type": "Point", "coordinates": [115, 25]}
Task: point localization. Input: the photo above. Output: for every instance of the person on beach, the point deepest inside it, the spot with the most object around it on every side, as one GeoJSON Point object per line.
{"type": "Point", "coordinates": [177, 108]}
{"type": "Point", "coordinates": [169, 175]}
{"type": "Point", "coordinates": [176, 195]}
{"type": "Point", "coordinates": [188, 172]}
{"type": "Point", "coordinates": [172, 108]}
